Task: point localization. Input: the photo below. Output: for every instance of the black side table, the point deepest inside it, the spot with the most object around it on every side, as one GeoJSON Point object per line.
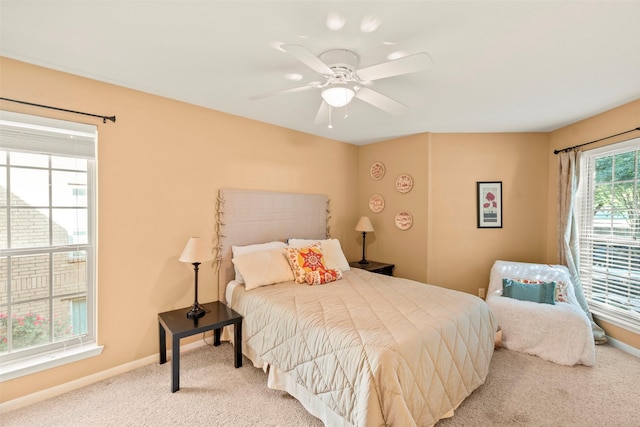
{"type": "Point", "coordinates": [179, 326]}
{"type": "Point", "coordinates": [375, 267]}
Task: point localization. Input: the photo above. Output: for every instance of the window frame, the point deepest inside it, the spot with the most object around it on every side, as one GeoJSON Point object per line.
{"type": "Point", "coordinates": [600, 308]}
{"type": "Point", "coordinates": [30, 134]}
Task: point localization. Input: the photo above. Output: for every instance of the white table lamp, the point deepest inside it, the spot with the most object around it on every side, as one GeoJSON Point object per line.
{"type": "Point", "coordinates": [196, 252]}
{"type": "Point", "coordinates": [364, 225]}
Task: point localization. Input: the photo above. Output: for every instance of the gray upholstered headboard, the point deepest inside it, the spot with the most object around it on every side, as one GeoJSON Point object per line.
{"type": "Point", "coordinates": [246, 217]}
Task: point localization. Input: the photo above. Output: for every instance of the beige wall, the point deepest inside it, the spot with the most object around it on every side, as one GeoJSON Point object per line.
{"type": "Point", "coordinates": [162, 162]}
{"type": "Point", "coordinates": [159, 169]}
{"type": "Point", "coordinates": [600, 126]}
{"type": "Point", "coordinates": [460, 254]}
{"type": "Point", "coordinates": [406, 249]}
{"type": "Point", "coordinates": [445, 169]}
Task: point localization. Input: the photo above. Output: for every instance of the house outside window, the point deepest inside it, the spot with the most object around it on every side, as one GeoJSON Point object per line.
{"type": "Point", "coordinates": [609, 220]}
{"type": "Point", "coordinates": [47, 235]}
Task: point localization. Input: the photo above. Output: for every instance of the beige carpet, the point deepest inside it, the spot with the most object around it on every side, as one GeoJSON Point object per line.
{"type": "Point", "coordinates": [520, 390]}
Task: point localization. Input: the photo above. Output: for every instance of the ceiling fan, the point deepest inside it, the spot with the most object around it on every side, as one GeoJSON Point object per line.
{"type": "Point", "coordinates": [343, 81]}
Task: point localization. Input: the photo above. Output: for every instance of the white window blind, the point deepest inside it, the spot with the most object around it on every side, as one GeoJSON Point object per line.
{"type": "Point", "coordinates": [609, 216]}
{"type": "Point", "coordinates": [23, 132]}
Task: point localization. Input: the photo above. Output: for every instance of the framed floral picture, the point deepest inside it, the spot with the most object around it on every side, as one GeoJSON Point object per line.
{"type": "Point", "coordinates": [489, 204]}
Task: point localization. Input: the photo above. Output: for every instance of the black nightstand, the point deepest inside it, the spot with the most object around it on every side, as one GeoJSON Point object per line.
{"type": "Point", "coordinates": [375, 267]}
{"type": "Point", "coordinates": [179, 326]}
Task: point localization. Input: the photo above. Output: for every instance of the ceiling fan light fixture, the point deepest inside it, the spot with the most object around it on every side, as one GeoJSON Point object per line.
{"type": "Point", "coordinates": [338, 95]}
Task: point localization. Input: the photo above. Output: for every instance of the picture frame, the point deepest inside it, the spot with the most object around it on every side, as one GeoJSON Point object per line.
{"type": "Point", "coordinates": [489, 204]}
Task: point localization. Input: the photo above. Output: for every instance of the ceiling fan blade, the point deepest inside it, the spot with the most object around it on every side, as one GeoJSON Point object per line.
{"type": "Point", "coordinates": [308, 59]}
{"type": "Point", "coordinates": [381, 101]}
{"type": "Point", "coordinates": [408, 64]}
{"type": "Point", "coordinates": [312, 85]}
{"type": "Point", "coordinates": [323, 114]}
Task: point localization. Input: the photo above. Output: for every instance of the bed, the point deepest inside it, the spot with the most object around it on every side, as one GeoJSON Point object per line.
{"type": "Point", "coordinates": [364, 350]}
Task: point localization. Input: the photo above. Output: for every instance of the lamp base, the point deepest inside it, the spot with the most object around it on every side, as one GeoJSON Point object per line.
{"type": "Point", "coordinates": [196, 311]}
{"type": "Point", "coordinates": [363, 261]}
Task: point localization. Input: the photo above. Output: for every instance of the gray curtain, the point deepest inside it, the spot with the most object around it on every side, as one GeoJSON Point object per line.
{"type": "Point", "coordinates": [568, 233]}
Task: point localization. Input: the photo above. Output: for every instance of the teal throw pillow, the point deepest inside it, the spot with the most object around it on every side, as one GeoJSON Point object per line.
{"type": "Point", "coordinates": [541, 293]}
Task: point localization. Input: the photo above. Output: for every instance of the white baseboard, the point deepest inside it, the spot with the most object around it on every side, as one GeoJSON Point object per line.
{"type": "Point", "coordinates": [41, 395]}
{"type": "Point", "coordinates": [624, 347]}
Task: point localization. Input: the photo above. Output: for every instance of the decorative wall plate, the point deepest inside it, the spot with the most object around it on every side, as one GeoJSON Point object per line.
{"type": "Point", "coordinates": [404, 220]}
{"type": "Point", "coordinates": [376, 203]}
{"type": "Point", "coordinates": [377, 170]}
{"type": "Point", "coordinates": [404, 183]}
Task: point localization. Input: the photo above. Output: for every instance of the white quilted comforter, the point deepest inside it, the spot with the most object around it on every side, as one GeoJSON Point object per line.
{"type": "Point", "coordinates": [374, 350]}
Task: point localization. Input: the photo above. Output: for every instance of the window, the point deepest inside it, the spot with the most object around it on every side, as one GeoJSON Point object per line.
{"type": "Point", "coordinates": [47, 235]}
{"type": "Point", "coordinates": [609, 206]}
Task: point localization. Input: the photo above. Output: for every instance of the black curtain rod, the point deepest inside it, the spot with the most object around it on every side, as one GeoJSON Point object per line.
{"type": "Point", "coordinates": [104, 118]}
{"type": "Point", "coordinates": [597, 140]}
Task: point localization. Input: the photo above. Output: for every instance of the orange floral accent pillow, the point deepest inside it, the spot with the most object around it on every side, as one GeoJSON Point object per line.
{"type": "Point", "coordinates": [320, 277]}
{"type": "Point", "coordinates": [303, 260]}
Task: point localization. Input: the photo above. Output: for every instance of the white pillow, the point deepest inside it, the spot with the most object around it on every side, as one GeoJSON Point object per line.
{"type": "Point", "coordinates": [241, 250]}
{"type": "Point", "coordinates": [331, 249]}
{"type": "Point", "coordinates": [263, 268]}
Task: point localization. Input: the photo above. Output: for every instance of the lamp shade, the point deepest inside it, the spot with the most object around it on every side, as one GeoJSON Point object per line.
{"type": "Point", "coordinates": [364, 224]}
{"type": "Point", "coordinates": [196, 250]}
{"type": "Point", "coordinates": [337, 95]}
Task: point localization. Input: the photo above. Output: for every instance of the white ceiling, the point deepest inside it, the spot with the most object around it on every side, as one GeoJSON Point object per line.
{"type": "Point", "coordinates": [517, 66]}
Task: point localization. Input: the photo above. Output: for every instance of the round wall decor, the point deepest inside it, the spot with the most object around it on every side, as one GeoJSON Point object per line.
{"type": "Point", "coordinates": [404, 220]}
{"type": "Point", "coordinates": [377, 170]}
{"type": "Point", "coordinates": [404, 183]}
{"type": "Point", "coordinates": [376, 203]}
